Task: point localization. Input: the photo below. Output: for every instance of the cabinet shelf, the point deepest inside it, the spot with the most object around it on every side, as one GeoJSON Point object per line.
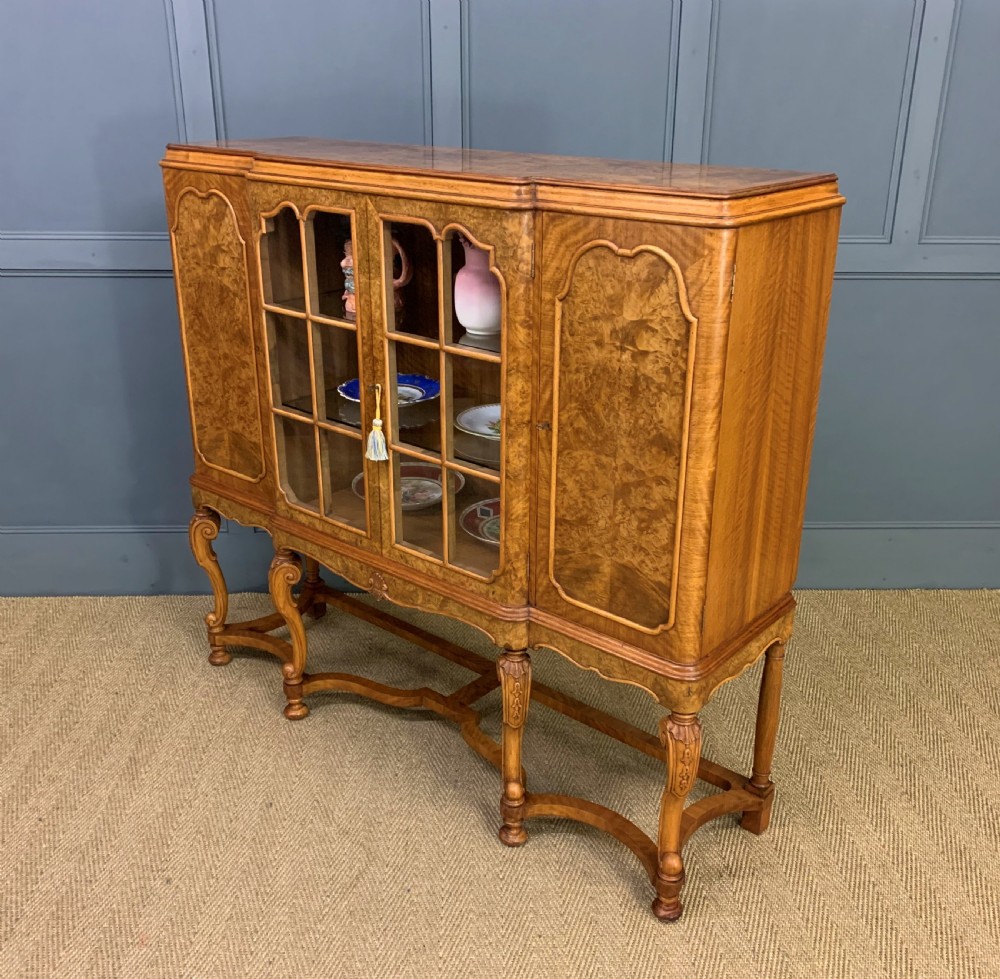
{"type": "Point", "coordinates": [341, 428]}
{"type": "Point", "coordinates": [347, 508]}
{"type": "Point", "coordinates": [457, 349]}
{"type": "Point", "coordinates": [411, 339]}
{"type": "Point", "coordinates": [474, 469]}
{"type": "Point", "coordinates": [297, 308]}
{"type": "Point", "coordinates": [292, 309]}
{"type": "Point", "coordinates": [472, 353]}
{"type": "Point", "coordinates": [290, 411]}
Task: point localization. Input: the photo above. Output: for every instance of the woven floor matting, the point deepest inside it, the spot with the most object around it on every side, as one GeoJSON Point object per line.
{"type": "Point", "coordinates": [160, 818]}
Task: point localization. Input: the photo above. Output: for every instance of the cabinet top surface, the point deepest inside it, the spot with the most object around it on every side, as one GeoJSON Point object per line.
{"type": "Point", "coordinates": [695, 180]}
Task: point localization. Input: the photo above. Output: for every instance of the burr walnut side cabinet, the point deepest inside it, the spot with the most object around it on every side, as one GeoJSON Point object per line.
{"type": "Point", "coordinates": [609, 464]}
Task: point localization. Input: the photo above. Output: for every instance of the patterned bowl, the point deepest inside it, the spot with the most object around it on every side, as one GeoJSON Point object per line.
{"type": "Point", "coordinates": [482, 521]}
{"type": "Point", "coordinates": [419, 485]}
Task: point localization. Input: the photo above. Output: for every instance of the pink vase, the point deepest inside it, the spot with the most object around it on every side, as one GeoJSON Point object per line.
{"type": "Point", "coordinates": [477, 293]}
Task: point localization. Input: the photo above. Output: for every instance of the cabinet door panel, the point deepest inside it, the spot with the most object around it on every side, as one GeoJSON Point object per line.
{"type": "Point", "coordinates": [621, 310]}
{"type": "Point", "coordinates": [313, 279]}
{"type": "Point", "coordinates": [624, 336]}
{"type": "Point", "coordinates": [213, 296]}
{"type": "Point", "coordinates": [456, 374]}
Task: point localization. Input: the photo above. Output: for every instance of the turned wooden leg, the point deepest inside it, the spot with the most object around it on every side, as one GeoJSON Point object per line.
{"type": "Point", "coordinates": [768, 706]}
{"type": "Point", "coordinates": [680, 735]}
{"type": "Point", "coordinates": [285, 572]}
{"type": "Point", "coordinates": [316, 609]}
{"type": "Point", "coordinates": [203, 529]}
{"type": "Point", "coordinates": [514, 671]}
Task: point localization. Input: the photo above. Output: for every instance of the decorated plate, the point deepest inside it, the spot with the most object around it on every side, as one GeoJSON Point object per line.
{"type": "Point", "coordinates": [482, 521]}
{"type": "Point", "coordinates": [482, 420]}
{"type": "Point", "coordinates": [420, 485]}
{"type": "Point", "coordinates": [410, 389]}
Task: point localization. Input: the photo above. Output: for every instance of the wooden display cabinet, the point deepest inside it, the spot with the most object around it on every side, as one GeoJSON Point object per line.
{"type": "Point", "coordinates": [637, 504]}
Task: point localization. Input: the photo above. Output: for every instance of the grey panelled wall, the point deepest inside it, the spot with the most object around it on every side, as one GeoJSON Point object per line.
{"type": "Point", "coordinates": [893, 95]}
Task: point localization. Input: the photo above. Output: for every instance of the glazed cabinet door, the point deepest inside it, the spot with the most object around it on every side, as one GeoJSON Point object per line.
{"type": "Point", "coordinates": [314, 326]}
{"type": "Point", "coordinates": [631, 315]}
{"type": "Point", "coordinates": [211, 244]}
{"type": "Point", "coordinates": [450, 308]}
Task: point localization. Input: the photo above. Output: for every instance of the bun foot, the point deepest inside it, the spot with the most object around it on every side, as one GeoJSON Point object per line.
{"type": "Point", "coordinates": [513, 835]}
{"type": "Point", "coordinates": [296, 711]}
{"type": "Point", "coordinates": [219, 656]}
{"type": "Point", "coordinates": [667, 909]}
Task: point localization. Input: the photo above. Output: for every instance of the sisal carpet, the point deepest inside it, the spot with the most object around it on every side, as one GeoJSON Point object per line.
{"type": "Point", "coordinates": [160, 818]}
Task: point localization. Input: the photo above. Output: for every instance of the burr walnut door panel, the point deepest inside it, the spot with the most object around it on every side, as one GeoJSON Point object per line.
{"type": "Point", "coordinates": [619, 314]}
{"type": "Point", "coordinates": [211, 256]}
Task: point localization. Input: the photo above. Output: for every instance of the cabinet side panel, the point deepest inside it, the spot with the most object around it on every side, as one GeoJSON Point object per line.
{"type": "Point", "coordinates": [784, 274]}
{"type": "Point", "coordinates": [213, 296]}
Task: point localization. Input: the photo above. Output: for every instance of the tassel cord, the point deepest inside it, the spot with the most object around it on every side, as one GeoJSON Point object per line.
{"type": "Point", "coordinates": [377, 449]}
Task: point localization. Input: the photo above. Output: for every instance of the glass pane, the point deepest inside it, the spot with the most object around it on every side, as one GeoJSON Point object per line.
{"type": "Point", "coordinates": [336, 352]}
{"type": "Point", "coordinates": [343, 478]}
{"type": "Point", "coordinates": [297, 462]}
{"type": "Point", "coordinates": [281, 261]}
{"type": "Point", "coordinates": [473, 307]}
{"type": "Point", "coordinates": [331, 264]}
{"type": "Point", "coordinates": [288, 349]}
{"type": "Point", "coordinates": [415, 396]}
{"type": "Point", "coordinates": [474, 518]}
{"type": "Point", "coordinates": [411, 300]}
{"type": "Point", "coordinates": [416, 500]}
{"type": "Point", "coordinates": [475, 408]}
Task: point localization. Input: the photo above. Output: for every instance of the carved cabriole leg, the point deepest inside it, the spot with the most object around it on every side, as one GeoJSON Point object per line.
{"type": "Point", "coordinates": [768, 706]}
{"type": "Point", "coordinates": [203, 529]}
{"type": "Point", "coordinates": [285, 572]}
{"type": "Point", "coordinates": [316, 609]}
{"type": "Point", "coordinates": [514, 671]}
{"type": "Point", "coordinates": [680, 735]}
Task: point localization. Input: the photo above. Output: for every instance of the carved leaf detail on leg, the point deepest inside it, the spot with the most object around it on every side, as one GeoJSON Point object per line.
{"type": "Point", "coordinates": [682, 742]}
{"type": "Point", "coordinates": [512, 671]}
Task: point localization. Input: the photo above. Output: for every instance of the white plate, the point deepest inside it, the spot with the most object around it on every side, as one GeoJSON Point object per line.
{"type": "Point", "coordinates": [482, 420]}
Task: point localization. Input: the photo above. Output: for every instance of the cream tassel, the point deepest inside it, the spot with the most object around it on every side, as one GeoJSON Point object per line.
{"type": "Point", "coordinates": [377, 451]}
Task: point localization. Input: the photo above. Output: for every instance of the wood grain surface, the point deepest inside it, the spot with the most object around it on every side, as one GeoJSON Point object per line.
{"type": "Point", "coordinates": [773, 365]}
{"type": "Point", "coordinates": [624, 336]}
{"type": "Point", "coordinates": [700, 180]}
{"type": "Point", "coordinates": [708, 196]}
{"type": "Point", "coordinates": [665, 429]}
{"type": "Point", "coordinates": [213, 295]}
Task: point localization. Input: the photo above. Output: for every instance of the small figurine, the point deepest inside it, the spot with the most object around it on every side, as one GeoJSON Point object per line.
{"type": "Point", "coordinates": [347, 264]}
{"type": "Point", "coordinates": [398, 281]}
{"type": "Point", "coordinates": [350, 298]}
